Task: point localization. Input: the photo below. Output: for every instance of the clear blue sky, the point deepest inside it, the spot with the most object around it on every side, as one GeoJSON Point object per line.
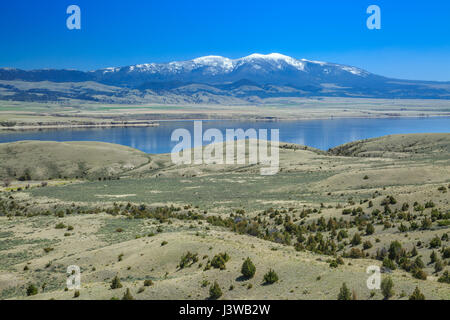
{"type": "Point", "coordinates": [414, 42]}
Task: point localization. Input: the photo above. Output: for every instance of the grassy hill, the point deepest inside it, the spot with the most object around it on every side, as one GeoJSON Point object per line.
{"type": "Point", "coordinates": [41, 160]}
{"type": "Point", "coordinates": [430, 144]}
{"type": "Point", "coordinates": [300, 222]}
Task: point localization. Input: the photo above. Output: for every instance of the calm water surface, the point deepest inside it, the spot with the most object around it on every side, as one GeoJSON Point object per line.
{"type": "Point", "coordinates": [322, 134]}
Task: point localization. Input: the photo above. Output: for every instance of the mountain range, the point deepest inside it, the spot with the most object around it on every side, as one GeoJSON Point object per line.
{"type": "Point", "coordinates": [212, 79]}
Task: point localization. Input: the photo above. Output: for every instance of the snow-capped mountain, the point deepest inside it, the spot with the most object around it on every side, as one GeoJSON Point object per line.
{"type": "Point", "coordinates": [272, 68]}
{"type": "Point", "coordinates": [212, 79]}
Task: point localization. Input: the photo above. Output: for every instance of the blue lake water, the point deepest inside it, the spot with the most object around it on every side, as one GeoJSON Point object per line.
{"type": "Point", "coordinates": [321, 134]}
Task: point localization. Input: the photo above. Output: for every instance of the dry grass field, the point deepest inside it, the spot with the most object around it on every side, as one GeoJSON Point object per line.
{"type": "Point", "coordinates": [318, 223]}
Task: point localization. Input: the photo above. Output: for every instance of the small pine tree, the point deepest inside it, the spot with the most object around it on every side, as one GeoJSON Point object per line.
{"type": "Point", "coordinates": [388, 263]}
{"type": "Point", "coordinates": [419, 263]}
{"type": "Point", "coordinates": [417, 295]}
{"type": "Point", "coordinates": [356, 240]}
{"type": "Point", "coordinates": [248, 269]}
{"type": "Point", "coordinates": [438, 266]}
{"type": "Point", "coordinates": [386, 287]}
{"type": "Point", "coordinates": [127, 295]}
{"type": "Point", "coordinates": [344, 293]}
{"type": "Point", "coordinates": [433, 257]}
{"type": "Point", "coordinates": [115, 283]}
{"type": "Point", "coordinates": [32, 290]}
{"type": "Point", "coordinates": [214, 291]}
{"type": "Point", "coordinates": [370, 229]}
{"type": "Point", "coordinates": [270, 277]}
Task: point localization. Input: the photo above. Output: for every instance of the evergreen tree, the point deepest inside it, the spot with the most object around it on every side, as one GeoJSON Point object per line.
{"type": "Point", "coordinates": [127, 295]}
{"type": "Point", "coordinates": [417, 295]}
{"type": "Point", "coordinates": [115, 283]}
{"type": "Point", "coordinates": [214, 291]}
{"type": "Point", "coordinates": [386, 288]}
{"type": "Point", "coordinates": [270, 277]}
{"type": "Point", "coordinates": [344, 293]}
{"type": "Point", "coordinates": [248, 269]}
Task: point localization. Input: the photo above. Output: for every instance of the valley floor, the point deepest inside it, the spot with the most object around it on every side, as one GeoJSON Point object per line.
{"type": "Point", "coordinates": [32, 115]}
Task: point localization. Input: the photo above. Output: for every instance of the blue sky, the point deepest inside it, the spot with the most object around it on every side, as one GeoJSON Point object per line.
{"type": "Point", "coordinates": [414, 42]}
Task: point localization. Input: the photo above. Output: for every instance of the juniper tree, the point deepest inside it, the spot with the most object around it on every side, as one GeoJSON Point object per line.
{"type": "Point", "coordinates": [344, 293]}
{"type": "Point", "coordinates": [248, 269]}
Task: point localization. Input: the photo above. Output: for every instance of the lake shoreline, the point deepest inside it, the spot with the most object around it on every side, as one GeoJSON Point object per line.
{"type": "Point", "coordinates": [76, 126]}
{"type": "Point", "coordinates": [37, 127]}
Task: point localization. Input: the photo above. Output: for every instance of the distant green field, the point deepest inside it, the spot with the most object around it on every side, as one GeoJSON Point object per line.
{"type": "Point", "coordinates": [207, 192]}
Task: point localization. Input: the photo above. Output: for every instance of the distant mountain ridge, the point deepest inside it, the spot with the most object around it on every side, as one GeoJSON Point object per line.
{"type": "Point", "coordinates": [256, 76]}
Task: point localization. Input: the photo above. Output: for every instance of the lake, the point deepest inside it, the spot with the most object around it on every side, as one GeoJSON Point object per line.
{"type": "Point", "coordinates": [321, 134]}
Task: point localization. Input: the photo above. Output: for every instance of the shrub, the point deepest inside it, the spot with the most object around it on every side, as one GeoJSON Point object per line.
{"type": "Point", "coordinates": [435, 242]}
{"type": "Point", "coordinates": [205, 283]}
{"type": "Point", "coordinates": [356, 253]}
{"type": "Point", "coordinates": [387, 286]}
{"type": "Point", "coordinates": [438, 266]}
{"type": "Point", "coordinates": [127, 295]}
{"type": "Point", "coordinates": [370, 229]}
{"type": "Point", "coordinates": [405, 206]}
{"type": "Point", "coordinates": [344, 293]}
{"type": "Point", "coordinates": [356, 240]}
{"type": "Point", "coordinates": [426, 223]}
{"type": "Point", "coordinates": [76, 294]}
{"type": "Point", "coordinates": [419, 274]}
{"type": "Point", "coordinates": [248, 269]}
{"type": "Point", "coordinates": [419, 263]}
{"type": "Point", "coordinates": [219, 261]}
{"type": "Point", "coordinates": [429, 204]}
{"type": "Point", "coordinates": [148, 283]}
{"type": "Point", "coordinates": [433, 257]}
{"type": "Point", "coordinates": [32, 290]}
{"type": "Point", "coordinates": [367, 245]}
{"type": "Point", "coordinates": [395, 250]}
{"type": "Point", "coordinates": [417, 295]}
{"type": "Point", "coordinates": [60, 226]}
{"type": "Point", "coordinates": [270, 277]}
{"type": "Point", "coordinates": [445, 278]}
{"type": "Point", "coordinates": [414, 252]}
{"type": "Point", "coordinates": [214, 291]}
{"type": "Point", "coordinates": [188, 259]}
{"type": "Point", "coordinates": [388, 263]}
{"type": "Point", "coordinates": [446, 253]}
{"type": "Point", "coordinates": [115, 283]}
